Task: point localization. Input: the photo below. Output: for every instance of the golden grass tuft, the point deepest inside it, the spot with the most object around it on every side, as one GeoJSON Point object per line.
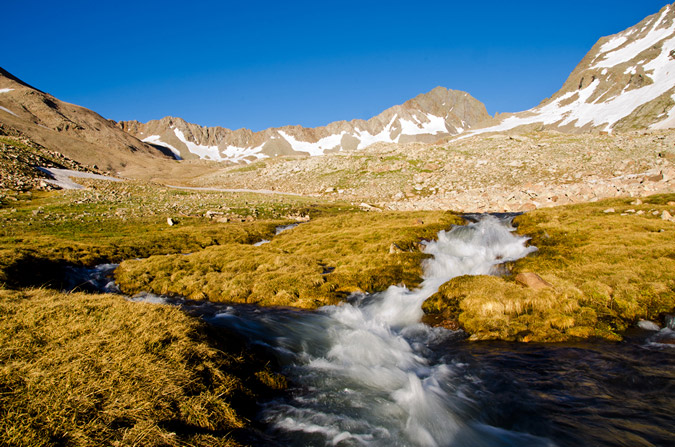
{"type": "Point", "coordinates": [607, 270]}
{"type": "Point", "coordinates": [293, 269]}
{"type": "Point", "coordinates": [79, 370]}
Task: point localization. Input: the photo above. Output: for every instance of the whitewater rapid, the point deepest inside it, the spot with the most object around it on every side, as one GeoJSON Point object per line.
{"type": "Point", "coordinates": [362, 370]}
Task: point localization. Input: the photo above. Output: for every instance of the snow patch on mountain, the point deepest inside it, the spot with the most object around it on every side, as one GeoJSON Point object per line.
{"type": "Point", "coordinates": [435, 125]}
{"type": "Point", "coordinates": [6, 90]}
{"type": "Point", "coordinates": [367, 139]}
{"type": "Point", "coordinates": [243, 154]}
{"type": "Point", "coordinates": [207, 152]}
{"type": "Point", "coordinates": [618, 56]}
{"type": "Point", "coordinates": [600, 104]}
{"type": "Point", "coordinates": [156, 140]}
{"type": "Point", "coordinates": [613, 44]}
{"type": "Point", "coordinates": [317, 148]}
{"type": "Point", "coordinates": [8, 111]}
{"type": "Point", "coordinates": [669, 121]}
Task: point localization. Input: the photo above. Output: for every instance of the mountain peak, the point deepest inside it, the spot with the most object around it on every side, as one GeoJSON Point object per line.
{"type": "Point", "coordinates": [627, 80]}
{"type": "Point", "coordinates": [428, 117]}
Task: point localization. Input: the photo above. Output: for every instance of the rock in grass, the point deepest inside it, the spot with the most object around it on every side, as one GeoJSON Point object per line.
{"type": "Point", "coordinates": [365, 207]}
{"type": "Point", "coordinates": [648, 325]}
{"type": "Point", "coordinates": [170, 222]}
{"type": "Point", "coordinates": [609, 210]}
{"type": "Point", "coordinates": [532, 280]}
{"type": "Point", "coordinates": [394, 248]}
{"type": "Point", "coordinates": [665, 215]}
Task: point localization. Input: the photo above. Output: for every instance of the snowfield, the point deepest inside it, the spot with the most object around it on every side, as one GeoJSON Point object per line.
{"type": "Point", "coordinates": [62, 177]}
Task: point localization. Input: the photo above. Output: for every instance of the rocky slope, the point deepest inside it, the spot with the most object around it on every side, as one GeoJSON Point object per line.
{"type": "Point", "coordinates": [425, 118]}
{"type": "Point", "coordinates": [18, 158]}
{"type": "Point", "coordinates": [487, 173]}
{"type": "Point", "coordinates": [626, 81]}
{"type": "Point", "coordinates": [71, 130]}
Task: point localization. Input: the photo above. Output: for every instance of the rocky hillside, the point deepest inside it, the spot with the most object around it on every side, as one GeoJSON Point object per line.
{"type": "Point", "coordinates": [19, 157]}
{"type": "Point", "coordinates": [626, 81]}
{"type": "Point", "coordinates": [425, 118]}
{"type": "Point", "coordinates": [489, 173]}
{"type": "Point", "coordinates": [71, 130]}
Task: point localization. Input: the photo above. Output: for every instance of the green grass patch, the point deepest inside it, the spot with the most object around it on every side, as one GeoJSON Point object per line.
{"type": "Point", "coordinates": [315, 264]}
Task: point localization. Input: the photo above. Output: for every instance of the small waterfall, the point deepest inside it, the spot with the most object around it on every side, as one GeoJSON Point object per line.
{"type": "Point", "coordinates": [280, 229]}
{"type": "Point", "coordinates": [362, 370]}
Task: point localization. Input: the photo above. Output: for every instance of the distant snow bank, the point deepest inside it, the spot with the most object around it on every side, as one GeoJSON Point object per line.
{"type": "Point", "coordinates": [155, 139]}
{"type": "Point", "coordinates": [62, 177]}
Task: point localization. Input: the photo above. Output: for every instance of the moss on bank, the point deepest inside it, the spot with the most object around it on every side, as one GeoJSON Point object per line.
{"type": "Point", "coordinates": [80, 370]}
{"type": "Point", "coordinates": [607, 271]}
{"type": "Point", "coordinates": [315, 264]}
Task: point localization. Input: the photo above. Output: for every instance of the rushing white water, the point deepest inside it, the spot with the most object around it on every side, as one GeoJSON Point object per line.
{"type": "Point", "coordinates": [280, 229]}
{"type": "Point", "coordinates": [362, 369]}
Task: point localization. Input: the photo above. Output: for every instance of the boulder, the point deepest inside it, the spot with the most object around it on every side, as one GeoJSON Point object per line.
{"type": "Point", "coordinates": [365, 207]}
{"type": "Point", "coordinates": [648, 325]}
{"type": "Point", "coordinates": [212, 214]}
{"type": "Point", "coordinates": [532, 280]}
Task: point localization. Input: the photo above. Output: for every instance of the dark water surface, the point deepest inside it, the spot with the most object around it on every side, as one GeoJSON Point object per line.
{"type": "Point", "coordinates": [592, 393]}
{"type": "Point", "coordinates": [583, 394]}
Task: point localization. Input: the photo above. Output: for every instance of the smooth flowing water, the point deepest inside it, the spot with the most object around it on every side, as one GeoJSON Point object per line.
{"type": "Point", "coordinates": [368, 373]}
{"type": "Point", "coordinates": [363, 369]}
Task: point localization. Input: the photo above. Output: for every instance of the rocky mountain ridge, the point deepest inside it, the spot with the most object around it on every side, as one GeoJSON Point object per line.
{"type": "Point", "coordinates": [426, 118]}
{"type": "Point", "coordinates": [626, 81]}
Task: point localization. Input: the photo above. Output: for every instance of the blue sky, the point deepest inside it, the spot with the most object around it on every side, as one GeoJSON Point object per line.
{"type": "Point", "coordinates": [260, 64]}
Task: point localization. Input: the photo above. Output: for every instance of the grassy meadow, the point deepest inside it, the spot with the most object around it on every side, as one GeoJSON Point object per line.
{"type": "Point", "coordinates": [82, 369]}
{"type": "Point", "coordinates": [89, 369]}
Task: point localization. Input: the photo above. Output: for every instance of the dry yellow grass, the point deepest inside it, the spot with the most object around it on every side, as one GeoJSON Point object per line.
{"type": "Point", "coordinates": [41, 232]}
{"type": "Point", "coordinates": [85, 370]}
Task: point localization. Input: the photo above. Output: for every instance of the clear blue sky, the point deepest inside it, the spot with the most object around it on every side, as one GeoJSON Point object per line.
{"type": "Point", "coordinates": [259, 64]}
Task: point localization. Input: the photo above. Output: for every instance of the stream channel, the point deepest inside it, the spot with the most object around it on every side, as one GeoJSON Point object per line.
{"type": "Point", "coordinates": [369, 373]}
